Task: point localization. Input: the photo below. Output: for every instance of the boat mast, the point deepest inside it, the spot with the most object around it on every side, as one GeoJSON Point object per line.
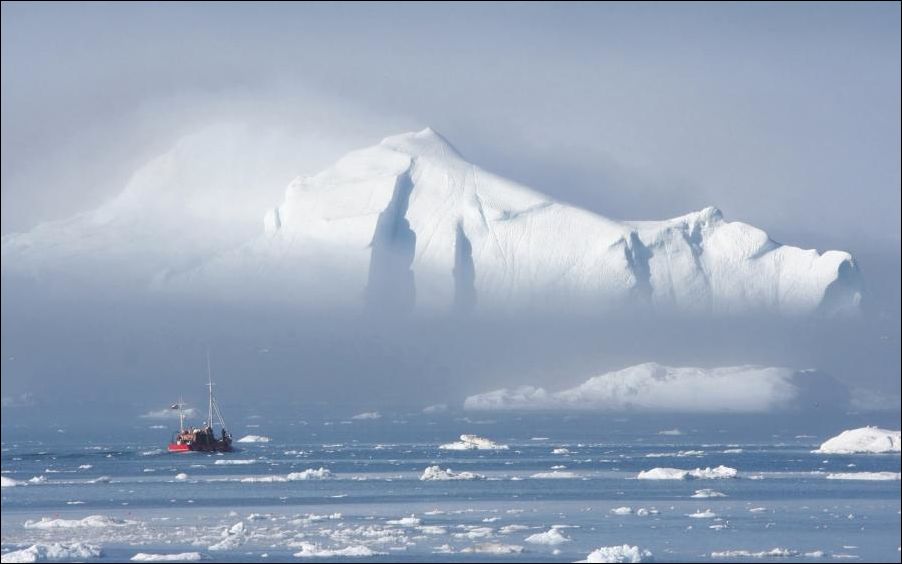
{"type": "Point", "coordinates": [181, 417]}
{"type": "Point", "coordinates": [210, 385]}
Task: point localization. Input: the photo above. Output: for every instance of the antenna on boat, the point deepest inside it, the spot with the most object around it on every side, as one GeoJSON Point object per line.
{"type": "Point", "coordinates": [210, 385]}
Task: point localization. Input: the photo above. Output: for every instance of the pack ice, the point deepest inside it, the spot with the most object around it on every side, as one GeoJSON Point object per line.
{"type": "Point", "coordinates": [408, 223]}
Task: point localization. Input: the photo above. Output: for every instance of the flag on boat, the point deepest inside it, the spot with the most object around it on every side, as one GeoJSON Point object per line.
{"type": "Point", "coordinates": [174, 406]}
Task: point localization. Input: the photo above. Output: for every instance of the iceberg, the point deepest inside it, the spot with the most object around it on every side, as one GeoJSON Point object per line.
{"type": "Point", "coordinates": [53, 552]}
{"type": "Point", "coordinates": [473, 442]}
{"type": "Point", "coordinates": [436, 473]}
{"type": "Point", "coordinates": [551, 537]}
{"type": "Point", "coordinates": [878, 476]}
{"type": "Point", "coordinates": [655, 387]}
{"type": "Point", "coordinates": [179, 557]}
{"type": "Point", "coordinates": [253, 439]}
{"type": "Point", "coordinates": [622, 553]}
{"type": "Point", "coordinates": [91, 521]}
{"type": "Point", "coordinates": [408, 224]}
{"type": "Point", "coordinates": [719, 472]}
{"type": "Point", "coordinates": [863, 440]}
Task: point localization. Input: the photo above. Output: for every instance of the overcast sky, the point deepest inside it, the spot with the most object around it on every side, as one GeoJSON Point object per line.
{"type": "Point", "coordinates": [784, 115]}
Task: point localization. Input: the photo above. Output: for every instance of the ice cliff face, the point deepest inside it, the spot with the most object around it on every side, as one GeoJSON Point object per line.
{"type": "Point", "coordinates": [408, 224]}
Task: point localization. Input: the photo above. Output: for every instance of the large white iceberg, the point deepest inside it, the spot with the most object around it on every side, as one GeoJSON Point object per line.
{"type": "Point", "coordinates": [654, 387]}
{"type": "Point", "coordinates": [864, 439]}
{"type": "Point", "coordinates": [409, 223]}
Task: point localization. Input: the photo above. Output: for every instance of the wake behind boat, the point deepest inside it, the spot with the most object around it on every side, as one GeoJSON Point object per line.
{"type": "Point", "coordinates": [201, 439]}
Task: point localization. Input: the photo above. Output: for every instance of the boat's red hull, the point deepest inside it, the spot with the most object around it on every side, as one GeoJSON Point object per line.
{"type": "Point", "coordinates": [216, 447]}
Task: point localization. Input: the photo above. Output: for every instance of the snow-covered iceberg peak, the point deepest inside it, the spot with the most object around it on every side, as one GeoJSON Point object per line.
{"type": "Point", "coordinates": [424, 143]}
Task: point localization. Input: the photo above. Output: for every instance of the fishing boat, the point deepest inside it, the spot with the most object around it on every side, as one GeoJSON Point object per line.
{"type": "Point", "coordinates": [203, 438]}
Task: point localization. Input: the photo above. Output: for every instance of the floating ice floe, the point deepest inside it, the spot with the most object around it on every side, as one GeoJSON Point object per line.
{"type": "Point", "coordinates": [718, 472]}
{"type": "Point", "coordinates": [254, 439]}
{"type": "Point", "coordinates": [622, 511]}
{"type": "Point", "coordinates": [622, 553]}
{"type": "Point", "coordinates": [551, 537]}
{"type": "Point", "coordinates": [677, 454]}
{"type": "Point", "coordinates": [706, 514]}
{"type": "Point", "coordinates": [179, 557]}
{"type": "Point", "coordinates": [493, 548]}
{"type": "Point", "coordinates": [227, 462]}
{"type": "Point", "coordinates": [772, 553]}
{"type": "Point", "coordinates": [410, 521]}
{"type": "Point", "coordinates": [560, 451]}
{"type": "Point", "coordinates": [53, 552]}
{"type": "Point", "coordinates": [232, 538]}
{"type": "Point", "coordinates": [91, 521]}
{"type": "Point", "coordinates": [181, 476]}
{"type": "Point", "coordinates": [432, 530]}
{"type": "Point", "coordinates": [554, 475]}
{"type": "Point", "coordinates": [308, 474]}
{"type": "Point", "coordinates": [437, 473]}
{"type": "Point", "coordinates": [473, 442]}
{"type": "Point", "coordinates": [310, 550]}
{"type": "Point", "coordinates": [367, 416]}
{"type": "Point", "coordinates": [863, 440]}
{"type": "Point", "coordinates": [864, 476]}
{"type": "Point", "coordinates": [706, 493]}
{"type": "Point", "coordinates": [9, 482]}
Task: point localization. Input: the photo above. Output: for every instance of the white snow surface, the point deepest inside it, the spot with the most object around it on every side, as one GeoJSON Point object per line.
{"type": "Point", "coordinates": [53, 552]}
{"type": "Point", "coordinates": [410, 223]}
{"type": "Point", "coordinates": [863, 440]}
{"type": "Point", "coordinates": [622, 553]}
{"type": "Point", "coordinates": [655, 387]}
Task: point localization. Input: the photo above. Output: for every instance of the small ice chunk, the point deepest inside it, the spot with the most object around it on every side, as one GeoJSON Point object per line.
{"type": "Point", "coordinates": [551, 537]}
{"type": "Point", "coordinates": [622, 553]}
{"type": "Point", "coordinates": [438, 474]}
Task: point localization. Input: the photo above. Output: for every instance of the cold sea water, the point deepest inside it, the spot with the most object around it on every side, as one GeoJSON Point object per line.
{"type": "Point", "coordinates": [329, 486]}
